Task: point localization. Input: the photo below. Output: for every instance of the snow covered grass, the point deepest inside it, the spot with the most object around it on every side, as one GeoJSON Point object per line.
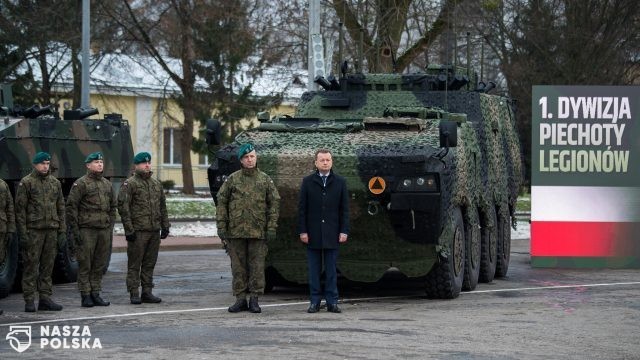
{"type": "Point", "coordinates": [524, 203]}
{"type": "Point", "coordinates": [193, 229]}
{"type": "Point", "coordinates": [187, 208]}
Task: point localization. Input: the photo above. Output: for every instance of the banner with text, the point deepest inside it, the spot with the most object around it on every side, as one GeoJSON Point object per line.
{"type": "Point", "coordinates": [585, 176]}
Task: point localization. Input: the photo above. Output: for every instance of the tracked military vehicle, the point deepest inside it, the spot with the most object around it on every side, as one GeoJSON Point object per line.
{"type": "Point", "coordinates": [24, 132]}
{"type": "Point", "coordinates": [433, 167]}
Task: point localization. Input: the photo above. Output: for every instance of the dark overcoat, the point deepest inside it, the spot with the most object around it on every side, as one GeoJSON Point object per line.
{"type": "Point", "coordinates": [323, 211]}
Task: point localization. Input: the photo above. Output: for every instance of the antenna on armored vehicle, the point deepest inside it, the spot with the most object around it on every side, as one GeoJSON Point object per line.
{"type": "Point", "coordinates": [340, 65]}
{"type": "Point", "coordinates": [393, 56]}
{"type": "Point", "coordinates": [360, 65]}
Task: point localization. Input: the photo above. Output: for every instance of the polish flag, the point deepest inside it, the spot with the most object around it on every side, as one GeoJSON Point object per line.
{"type": "Point", "coordinates": [585, 221]}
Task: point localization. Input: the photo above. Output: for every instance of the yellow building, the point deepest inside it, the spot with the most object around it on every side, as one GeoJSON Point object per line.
{"type": "Point", "coordinates": [143, 95]}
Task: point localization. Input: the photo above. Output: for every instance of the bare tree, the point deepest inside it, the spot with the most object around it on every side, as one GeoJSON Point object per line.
{"type": "Point", "coordinates": [546, 42]}
{"type": "Point", "coordinates": [213, 42]}
{"type": "Point", "coordinates": [386, 25]}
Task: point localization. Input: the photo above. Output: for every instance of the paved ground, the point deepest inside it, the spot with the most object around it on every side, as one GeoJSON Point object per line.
{"type": "Point", "coordinates": [533, 314]}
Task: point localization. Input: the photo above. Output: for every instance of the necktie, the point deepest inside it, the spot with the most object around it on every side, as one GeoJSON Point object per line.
{"type": "Point", "coordinates": [324, 180]}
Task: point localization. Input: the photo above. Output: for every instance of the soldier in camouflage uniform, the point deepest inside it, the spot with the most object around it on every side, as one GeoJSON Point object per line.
{"type": "Point", "coordinates": [143, 210]}
{"type": "Point", "coordinates": [7, 219]}
{"type": "Point", "coordinates": [247, 214]}
{"type": "Point", "coordinates": [41, 221]}
{"type": "Point", "coordinates": [91, 213]}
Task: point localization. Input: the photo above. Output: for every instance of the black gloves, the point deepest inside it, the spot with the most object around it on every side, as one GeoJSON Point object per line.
{"type": "Point", "coordinates": [131, 237]}
{"type": "Point", "coordinates": [164, 233]}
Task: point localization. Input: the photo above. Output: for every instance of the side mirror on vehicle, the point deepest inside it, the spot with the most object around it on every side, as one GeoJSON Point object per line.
{"type": "Point", "coordinates": [213, 132]}
{"type": "Point", "coordinates": [448, 133]}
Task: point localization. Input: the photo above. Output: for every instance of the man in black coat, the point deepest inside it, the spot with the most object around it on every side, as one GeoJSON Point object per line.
{"type": "Point", "coordinates": [323, 223]}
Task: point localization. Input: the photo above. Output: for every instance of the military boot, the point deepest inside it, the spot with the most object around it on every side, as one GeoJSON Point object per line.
{"type": "Point", "coordinates": [240, 305]}
{"type": "Point", "coordinates": [86, 300]}
{"type": "Point", "coordinates": [29, 306]}
{"type": "Point", "coordinates": [97, 300]}
{"type": "Point", "coordinates": [135, 298]}
{"type": "Point", "coordinates": [253, 305]}
{"type": "Point", "coordinates": [148, 297]}
{"type": "Point", "coordinates": [47, 304]}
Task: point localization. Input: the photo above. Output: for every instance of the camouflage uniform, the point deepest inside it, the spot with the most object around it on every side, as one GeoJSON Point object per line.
{"type": "Point", "coordinates": [7, 217]}
{"type": "Point", "coordinates": [91, 212]}
{"type": "Point", "coordinates": [143, 210]}
{"type": "Point", "coordinates": [248, 204]}
{"type": "Point", "coordinates": [40, 217]}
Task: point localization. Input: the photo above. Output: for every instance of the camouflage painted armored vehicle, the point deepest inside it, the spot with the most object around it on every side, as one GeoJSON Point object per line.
{"type": "Point", "coordinates": [433, 167]}
{"type": "Point", "coordinates": [25, 131]}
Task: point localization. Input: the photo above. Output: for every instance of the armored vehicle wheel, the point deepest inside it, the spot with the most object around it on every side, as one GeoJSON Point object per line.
{"type": "Point", "coordinates": [473, 250]}
{"type": "Point", "coordinates": [65, 269]}
{"type": "Point", "coordinates": [445, 279]}
{"type": "Point", "coordinates": [504, 242]}
{"type": "Point", "coordinates": [272, 278]}
{"type": "Point", "coordinates": [9, 266]}
{"type": "Point", "coordinates": [269, 282]}
{"type": "Point", "coordinates": [489, 240]}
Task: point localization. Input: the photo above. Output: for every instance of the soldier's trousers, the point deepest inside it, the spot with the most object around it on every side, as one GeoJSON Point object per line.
{"type": "Point", "coordinates": [93, 250]}
{"type": "Point", "coordinates": [142, 255]}
{"type": "Point", "coordinates": [39, 249]}
{"type": "Point", "coordinates": [247, 266]}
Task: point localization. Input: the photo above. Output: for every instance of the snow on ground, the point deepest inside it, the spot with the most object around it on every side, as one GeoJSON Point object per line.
{"type": "Point", "coordinates": [194, 229]}
{"type": "Point", "coordinates": [522, 232]}
{"type": "Point", "coordinates": [207, 228]}
{"type": "Point", "coordinates": [188, 199]}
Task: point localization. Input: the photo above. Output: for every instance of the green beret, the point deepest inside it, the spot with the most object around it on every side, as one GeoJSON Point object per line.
{"type": "Point", "coordinates": [93, 156]}
{"type": "Point", "coordinates": [40, 157]}
{"type": "Point", "coordinates": [245, 149]}
{"type": "Point", "coordinates": [142, 157]}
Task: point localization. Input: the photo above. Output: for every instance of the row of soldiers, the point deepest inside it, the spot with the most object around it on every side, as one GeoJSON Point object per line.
{"type": "Point", "coordinates": [41, 218]}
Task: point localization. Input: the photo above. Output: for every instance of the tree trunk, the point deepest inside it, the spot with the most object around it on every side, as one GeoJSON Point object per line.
{"type": "Point", "coordinates": [187, 140]}
{"type": "Point", "coordinates": [45, 93]}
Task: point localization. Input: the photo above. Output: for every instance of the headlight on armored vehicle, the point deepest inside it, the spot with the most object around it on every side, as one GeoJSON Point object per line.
{"type": "Point", "coordinates": [426, 183]}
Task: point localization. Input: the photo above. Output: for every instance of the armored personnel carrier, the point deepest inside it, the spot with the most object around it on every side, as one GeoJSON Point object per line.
{"type": "Point", "coordinates": [433, 167]}
{"type": "Point", "coordinates": [24, 132]}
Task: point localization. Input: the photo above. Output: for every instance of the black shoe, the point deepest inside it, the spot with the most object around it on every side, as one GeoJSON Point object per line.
{"type": "Point", "coordinates": [86, 301]}
{"type": "Point", "coordinates": [253, 305]}
{"type": "Point", "coordinates": [135, 298]}
{"type": "Point", "coordinates": [29, 306]}
{"type": "Point", "coordinates": [98, 301]}
{"type": "Point", "coordinates": [240, 305]}
{"type": "Point", "coordinates": [333, 308]}
{"type": "Point", "coordinates": [148, 297]}
{"type": "Point", "coordinates": [48, 305]}
{"type": "Point", "coordinates": [313, 308]}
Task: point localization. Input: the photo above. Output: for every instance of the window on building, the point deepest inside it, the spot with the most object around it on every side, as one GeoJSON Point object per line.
{"type": "Point", "coordinates": [172, 141]}
{"type": "Point", "coordinates": [203, 159]}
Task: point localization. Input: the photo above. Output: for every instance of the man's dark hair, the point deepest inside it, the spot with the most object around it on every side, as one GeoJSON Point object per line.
{"type": "Point", "coordinates": [321, 151]}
